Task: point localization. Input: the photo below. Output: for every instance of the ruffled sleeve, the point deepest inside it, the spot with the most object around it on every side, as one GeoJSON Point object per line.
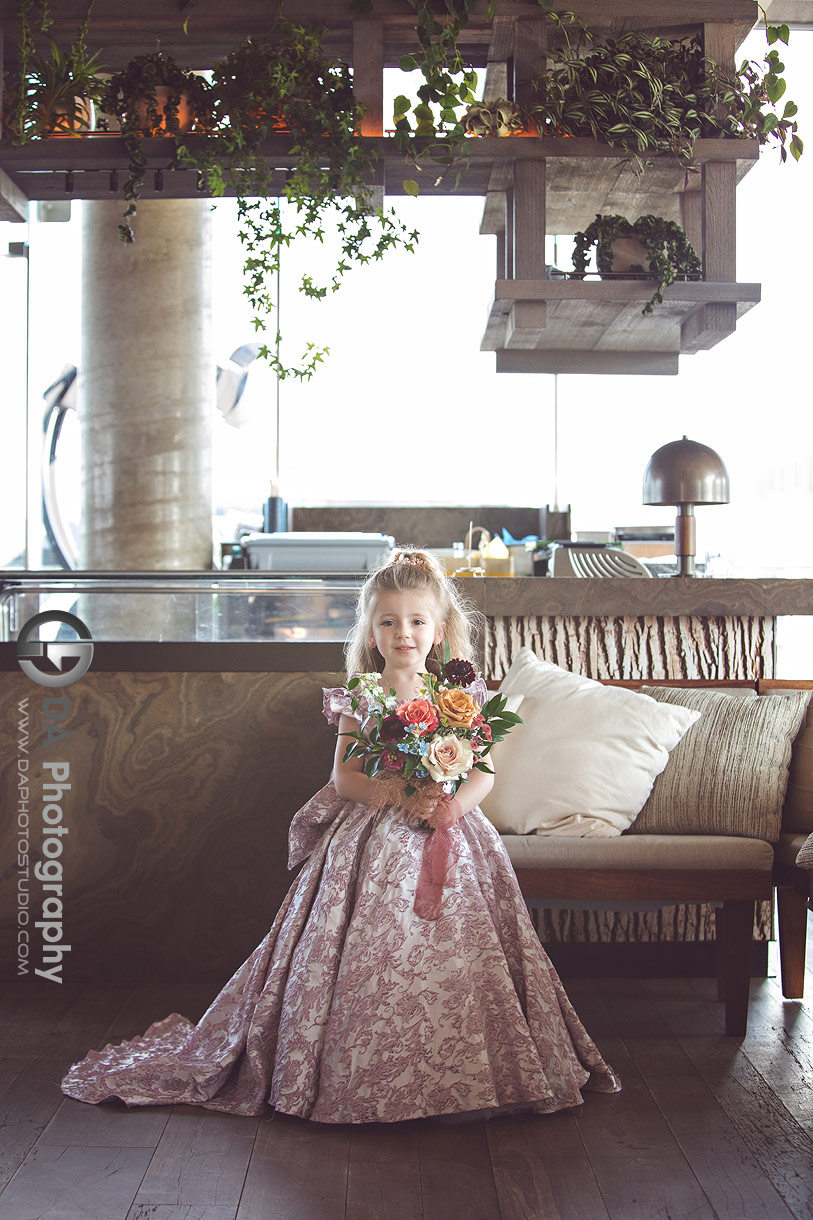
{"type": "Point", "coordinates": [478, 690]}
{"type": "Point", "coordinates": [335, 703]}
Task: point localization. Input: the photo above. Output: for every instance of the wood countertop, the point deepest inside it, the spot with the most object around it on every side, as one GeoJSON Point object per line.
{"type": "Point", "coordinates": [668, 595]}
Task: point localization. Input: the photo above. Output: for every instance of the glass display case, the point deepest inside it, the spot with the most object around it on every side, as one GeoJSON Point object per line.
{"type": "Point", "coordinates": [190, 606]}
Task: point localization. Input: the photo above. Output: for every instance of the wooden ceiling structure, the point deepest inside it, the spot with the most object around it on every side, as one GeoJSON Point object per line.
{"type": "Point", "coordinates": [530, 186]}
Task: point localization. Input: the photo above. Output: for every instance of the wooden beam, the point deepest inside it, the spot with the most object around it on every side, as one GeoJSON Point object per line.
{"type": "Point", "coordinates": [549, 361]}
{"type": "Point", "coordinates": [707, 326]}
{"type": "Point", "coordinates": [691, 218]}
{"type": "Point", "coordinates": [699, 291]}
{"type": "Point", "coordinates": [528, 319]}
{"type": "Point", "coordinates": [368, 73]}
{"type": "Point", "coordinates": [719, 221]}
{"type": "Point", "coordinates": [719, 44]}
{"type": "Point", "coordinates": [13, 201]}
{"type": "Point", "coordinates": [530, 45]}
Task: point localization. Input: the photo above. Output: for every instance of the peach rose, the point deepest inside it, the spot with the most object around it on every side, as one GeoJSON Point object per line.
{"type": "Point", "coordinates": [456, 708]}
{"type": "Point", "coordinates": [418, 711]}
{"type": "Point", "coordinates": [448, 758]}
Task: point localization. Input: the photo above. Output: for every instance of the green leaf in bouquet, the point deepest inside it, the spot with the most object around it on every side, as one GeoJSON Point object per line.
{"type": "Point", "coordinates": [410, 790]}
{"type": "Point", "coordinates": [481, 766]}
{"type": "Point", "coordinates": [353, 683]}
{"type": "Point", "coordinates": [447, 652]}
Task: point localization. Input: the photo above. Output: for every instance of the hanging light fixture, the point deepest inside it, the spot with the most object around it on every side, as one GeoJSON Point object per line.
{"type": "Point", "coordinates": [685, 473]}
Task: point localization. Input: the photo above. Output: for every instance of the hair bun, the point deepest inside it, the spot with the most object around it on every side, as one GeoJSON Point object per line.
{"type": "Point", "coordinates": [415, 559]}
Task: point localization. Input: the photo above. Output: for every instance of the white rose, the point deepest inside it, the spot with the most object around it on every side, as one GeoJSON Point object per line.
{"type": "Point", "coordinates": [448, 758]}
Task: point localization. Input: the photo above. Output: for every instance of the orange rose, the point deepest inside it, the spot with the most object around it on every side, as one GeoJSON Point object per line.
{"type": "Point", "coordinates": [456, 708]}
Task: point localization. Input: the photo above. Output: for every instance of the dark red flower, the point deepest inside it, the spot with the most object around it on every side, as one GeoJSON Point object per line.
{"type": "Point", "coordinates": [392, 729]}
{"type": "Point", "coordinates": [393, 760]}
{"type": "Point", "coordinates": [461, 673]}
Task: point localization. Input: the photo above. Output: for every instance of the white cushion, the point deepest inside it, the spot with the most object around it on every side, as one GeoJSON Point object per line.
{"type": "Point", "coordinates": [585, 760]}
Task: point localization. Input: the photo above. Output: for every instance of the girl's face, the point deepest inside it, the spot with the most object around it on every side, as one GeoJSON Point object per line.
{"type": "Point", "coordinates": [404, 628]}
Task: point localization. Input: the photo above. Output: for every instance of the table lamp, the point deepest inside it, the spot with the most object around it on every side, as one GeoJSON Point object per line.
{"type": "Point", "coordinates": [685, 473]}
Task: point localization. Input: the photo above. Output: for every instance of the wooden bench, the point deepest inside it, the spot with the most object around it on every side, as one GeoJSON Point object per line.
{"type": "Point", "coordinates": [731, 871]}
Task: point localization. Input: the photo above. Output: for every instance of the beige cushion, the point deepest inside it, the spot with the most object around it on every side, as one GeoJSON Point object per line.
{"type": "Point", "coordinates": [798, 812]}
{"type": "Point", "coordinates": [584, 761]}
{"type": "Point", "coordinates": [639, 851]}
{"type": "Point", "coordinates": [729, 774]}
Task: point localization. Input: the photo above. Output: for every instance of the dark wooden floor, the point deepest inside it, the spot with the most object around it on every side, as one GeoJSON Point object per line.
{"type": "Point", "coordinates": [706, 1126]}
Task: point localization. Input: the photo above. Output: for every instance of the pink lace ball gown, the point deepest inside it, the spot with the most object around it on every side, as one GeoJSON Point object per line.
{"type": "Point", "coordinates": [354, 1009]}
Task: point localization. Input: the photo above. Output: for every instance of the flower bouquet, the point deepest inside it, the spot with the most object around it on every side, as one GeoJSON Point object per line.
{"type": "Point", "coordinates": [422, 750]}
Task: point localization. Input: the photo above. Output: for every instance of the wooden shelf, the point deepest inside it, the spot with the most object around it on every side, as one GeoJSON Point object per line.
{"type": "Point", "coordinates": [597, 326]}
{"type": "Point", "coordinates": [584, 176]}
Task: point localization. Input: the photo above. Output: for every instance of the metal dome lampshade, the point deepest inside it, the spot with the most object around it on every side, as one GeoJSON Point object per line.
{"type": "Point", "coordinates": [685, 473]}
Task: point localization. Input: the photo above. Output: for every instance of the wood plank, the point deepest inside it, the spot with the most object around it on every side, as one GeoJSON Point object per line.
{"type": "Point", "coordinates": [199, 1166]}
{"type": "Point", "coordinates": [547, 360]}
{"type": "Point", "coordinates": [719, 222]}
{"type": "Point", "coordinates": [731, 1177]}
{"type": "Point", "coordinates": [689, 885]}
{"type": "Point", "coordinates": [13, 200]}
{"type": "Point", "coordinates": [765, 1127]}
{"type": "Point", "coordinates": [541, 1169]}
{"type": "Point", "coordinates": [530, 45]}
{"type": "Point", "coordinates": [298, 1170]}
{"type": "Point", "coordinates": [98, 1183]}
{"type": "Point", "coordinates": [779, 1044]}
{"type": "Point", "coordinates": [640, 1170]}
{"type": "Point", "coordinates": [456, 1174]}
{"type": "Point", "coordinates": [384, 1180]}
{"type": "Point", "coordinates": [34, 1096]}
{"type": "Point", "coordinates": [612, 290]}
{"type": "Point", "coordinates": [368, 73]}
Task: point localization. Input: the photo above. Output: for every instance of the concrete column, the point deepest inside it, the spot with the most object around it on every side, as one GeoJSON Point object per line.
{"type": "Point", "coordinates": [146, 389]}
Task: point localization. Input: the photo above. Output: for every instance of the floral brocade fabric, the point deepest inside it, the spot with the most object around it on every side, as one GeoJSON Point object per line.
{"type": "Point", "coordinates": [354, 1009]}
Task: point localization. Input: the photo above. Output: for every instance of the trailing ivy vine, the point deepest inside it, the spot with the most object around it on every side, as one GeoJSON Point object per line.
{"type": "Point", "coordinates": [264, 88]}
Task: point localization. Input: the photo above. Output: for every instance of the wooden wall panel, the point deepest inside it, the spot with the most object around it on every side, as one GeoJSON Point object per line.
{"type": "Point", "coordinates": [647, 646]}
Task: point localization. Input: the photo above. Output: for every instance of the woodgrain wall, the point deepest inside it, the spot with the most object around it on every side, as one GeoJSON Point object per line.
{"type": "Point", "coordinates": [183, 788]}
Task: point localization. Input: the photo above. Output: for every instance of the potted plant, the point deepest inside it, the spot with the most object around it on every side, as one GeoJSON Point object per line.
{"type": "Point", "coordinates": [54, 93]}
{"type": "Point", "coordinates": [262, 88]}
{"type": "Point", "coordinates": [152, 96]}
{"type": "Point", "coordinates": [498, 118]}
{"type": "Point", "coordinates": [668, 253]}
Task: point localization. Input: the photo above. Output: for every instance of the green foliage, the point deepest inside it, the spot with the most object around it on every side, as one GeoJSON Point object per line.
{"type": "Point", "coordinates": [263, 88]}
{"type": "Point", "coordinates": [49, 93]}
{"type": "Point", "coordinates": [670, 252]}
{"type": "Point", "coordinates": [132, 95]}
{"type": "Point", "coordinates": [651, 95]}
{"type": "Point", "coordinates": [497, 118]}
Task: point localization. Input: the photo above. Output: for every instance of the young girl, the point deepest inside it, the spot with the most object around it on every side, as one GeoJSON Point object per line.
{"type": "Point", "coordinates": [402, 977]}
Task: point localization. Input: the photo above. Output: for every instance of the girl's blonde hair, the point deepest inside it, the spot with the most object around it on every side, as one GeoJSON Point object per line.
{"type": "Point", "coordinates": [405, 569]}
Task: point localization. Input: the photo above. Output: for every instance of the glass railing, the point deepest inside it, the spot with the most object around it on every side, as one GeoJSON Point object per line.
{"type": "Point", "coordinates": [164, 606]}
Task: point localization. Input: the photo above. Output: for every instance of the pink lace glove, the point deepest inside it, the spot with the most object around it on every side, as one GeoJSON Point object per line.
{"type": "Point", "coordinates": [438, 861]}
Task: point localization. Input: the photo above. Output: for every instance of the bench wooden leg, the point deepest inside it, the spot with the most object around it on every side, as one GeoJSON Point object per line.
{"type": "Point", "coordinates": [721, 953]}
{"type": "Point", "coordinates": [738, 931]}
{"type": "Point", "coordinates": [792, 907]}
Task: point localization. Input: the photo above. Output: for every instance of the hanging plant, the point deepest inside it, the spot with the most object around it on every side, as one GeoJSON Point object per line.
{"type": "Point", "coordinates": [670, 253]}
{"type": "Point", "coordinates": [260, 89]}
{"type": "Point", "coordinates": [52, 93]}
{"type": "Point", "coordinates": [152, 96]}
